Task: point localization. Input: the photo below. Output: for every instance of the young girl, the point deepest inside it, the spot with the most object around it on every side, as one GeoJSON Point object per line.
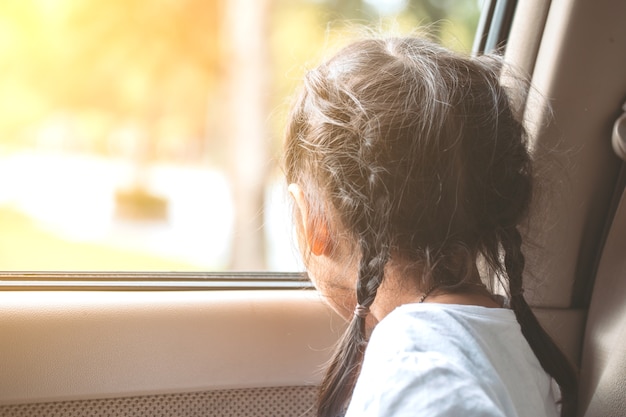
{"type": "Point", "coordinates": [409, 168]}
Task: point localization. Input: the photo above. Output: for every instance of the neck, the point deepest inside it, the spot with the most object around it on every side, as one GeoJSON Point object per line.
{"type": "Point", "coordinates": [401, 287]}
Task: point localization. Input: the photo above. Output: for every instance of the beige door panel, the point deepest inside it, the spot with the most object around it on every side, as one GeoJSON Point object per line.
{"type": "Point", "coordinates": [59, 346]}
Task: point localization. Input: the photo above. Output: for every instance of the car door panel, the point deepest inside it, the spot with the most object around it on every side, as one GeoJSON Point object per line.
{"type": "Point", "coordinates": [70, 345]}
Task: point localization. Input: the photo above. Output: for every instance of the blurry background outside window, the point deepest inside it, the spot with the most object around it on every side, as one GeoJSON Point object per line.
{"type": "Point", "coordinates": [145, 134]}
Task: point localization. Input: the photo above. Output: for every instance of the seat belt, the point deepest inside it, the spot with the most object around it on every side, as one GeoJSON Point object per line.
{"type": "Point", "coordinates": [618, 203]}
{"type": "Point", "coordinates": [618, 199]}
{"type": "Point", "coordinates": [618, 139]}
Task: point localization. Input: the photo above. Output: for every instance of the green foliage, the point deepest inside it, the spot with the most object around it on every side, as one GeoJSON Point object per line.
{"type": "Point", "coordinates": [129, 61]}
{"type": "Point", "coordinates": [160, 64]}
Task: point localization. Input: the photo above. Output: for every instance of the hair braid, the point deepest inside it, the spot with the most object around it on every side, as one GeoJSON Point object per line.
{"type": "Point", "coordinates": [336, 389]}
{"type": "Point", "coordinates": [342, 371]}
{"type": "Point", "coordinates": [344, 368]}
{"type": "Point", "coordinates": [549, 355]}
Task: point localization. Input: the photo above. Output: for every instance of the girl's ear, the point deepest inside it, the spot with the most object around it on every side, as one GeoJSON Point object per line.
{"type": "Point", "coordinates": [315, 235]}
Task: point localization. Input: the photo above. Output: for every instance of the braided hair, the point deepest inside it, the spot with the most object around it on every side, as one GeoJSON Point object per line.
{"type": "Point", "coordinates": [418, 153]}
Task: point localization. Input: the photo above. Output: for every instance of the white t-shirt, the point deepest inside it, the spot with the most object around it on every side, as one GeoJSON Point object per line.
{"type": "Point", "coordinates": [451, 360]}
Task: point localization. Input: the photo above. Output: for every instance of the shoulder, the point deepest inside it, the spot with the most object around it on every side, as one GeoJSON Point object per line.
{"type": "Point", "coordinates": [453, 329]}
{"type": "Point", "coordinates": [419, 383]}
{"type": "Point", "coordinates": [424, 361]}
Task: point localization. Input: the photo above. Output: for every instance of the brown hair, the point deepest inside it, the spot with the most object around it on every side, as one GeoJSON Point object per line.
{"type": "Point", "coordinates": [418, 152]}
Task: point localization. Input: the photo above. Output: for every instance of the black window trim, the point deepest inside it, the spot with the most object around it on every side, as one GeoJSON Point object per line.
{"type": "Point", "coordinates": [494, 26]}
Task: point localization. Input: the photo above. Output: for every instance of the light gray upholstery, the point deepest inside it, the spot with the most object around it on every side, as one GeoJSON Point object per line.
{"type": "Point", "coordinates": [257, 402]}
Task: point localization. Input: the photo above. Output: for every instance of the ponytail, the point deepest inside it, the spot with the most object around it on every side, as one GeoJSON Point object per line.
{"type": "Point", "coordinates": [549, 355]}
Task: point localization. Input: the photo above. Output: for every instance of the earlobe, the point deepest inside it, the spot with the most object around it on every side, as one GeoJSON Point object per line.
{"type": "Point", "coordinates": [315, 233]}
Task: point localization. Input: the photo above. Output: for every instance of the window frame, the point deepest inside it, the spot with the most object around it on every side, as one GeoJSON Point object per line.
{"type": "Point", "coordinates": [152, 281]}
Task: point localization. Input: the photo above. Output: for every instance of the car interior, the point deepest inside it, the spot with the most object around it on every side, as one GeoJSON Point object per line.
{"type": "Point", "coordinates": [255, 344]}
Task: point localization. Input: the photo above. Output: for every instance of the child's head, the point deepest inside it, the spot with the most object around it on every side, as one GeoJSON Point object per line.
{"type": "Point", "coordinates": [407, 155]}
{"type": "Point", "coordinates": [413, 153]}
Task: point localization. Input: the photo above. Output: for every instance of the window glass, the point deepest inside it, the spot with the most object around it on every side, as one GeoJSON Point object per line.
{"type": "Point", "coordinates": [145, 134]}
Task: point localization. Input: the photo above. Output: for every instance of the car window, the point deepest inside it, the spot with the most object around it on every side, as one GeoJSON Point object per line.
{"type": "Point", "coordinates": [145, 135]}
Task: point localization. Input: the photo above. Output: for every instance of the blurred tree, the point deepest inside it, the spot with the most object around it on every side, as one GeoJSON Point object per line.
{"type": "Point", "coordinates": [132, 60]}
{"type": "Point", "coordinates": [247, 64]}
{"type": "Point", "coordinates": [144, 60]}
